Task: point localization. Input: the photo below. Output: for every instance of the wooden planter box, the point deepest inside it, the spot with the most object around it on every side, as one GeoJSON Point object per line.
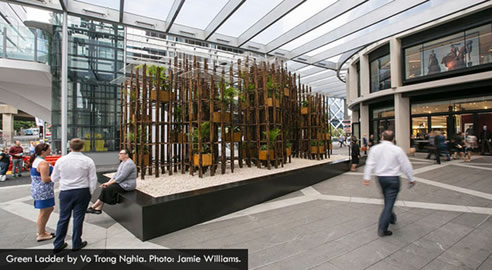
{"type": "Point", "coordinates": [270, 102]}
{"type": "Point", "coordinates": [217, 117]}
{"type": "Point", "coordinates": [163, 96]}
{"type": "Point", "coordinates": [304, 110]}
{"type": "Point", "coordinates": [244, 106]}
{"type": "Point", "coordinates": [262, 155]}
{"type": "Point", "coordinates": [206, 159]}
{"type": "Point", "coordinates": [288, 151]}
{"type": "Point", "coordinates": [286, 92]}
{"type": "Point", "coordinates": [236, 136]}
{"type": "Point", "coordinates": [314, 149]}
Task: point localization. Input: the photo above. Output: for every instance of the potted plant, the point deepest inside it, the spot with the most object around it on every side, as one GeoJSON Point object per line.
{"type": "Point", "coordinates": [152, 71]}
{"type": "Point", "coordinates": [317, 147]}
{"type": "Point", "coordinates": [272, 90]}
{"type": "Point", "coordinates": [236, 134]}
{"type": "Point", "coordinates": [264, 151]}
{"type": "Point", "coordinates": [288, 149]}
{"type": "Point", "coordinates": [230, 93]}
{"type": "Point", "coordinates": [136, 148]}
{"type": "Point", "coordinates": [205, 152]}
{"type": "Point", "coordinates": [304, 107]}
{"type": "Point", "coordinates": [286, 89]}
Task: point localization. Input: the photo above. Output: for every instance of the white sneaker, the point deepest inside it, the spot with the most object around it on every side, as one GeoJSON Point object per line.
{"type": "Point", "coordinates": [3, 178]}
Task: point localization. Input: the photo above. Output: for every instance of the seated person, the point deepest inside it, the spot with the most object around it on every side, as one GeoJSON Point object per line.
{"type": "Point", "coordinates": [124, 180]}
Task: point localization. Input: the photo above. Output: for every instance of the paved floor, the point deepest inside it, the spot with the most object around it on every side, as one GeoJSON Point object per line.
{"type": "Point", "coordinates": [443, 223]}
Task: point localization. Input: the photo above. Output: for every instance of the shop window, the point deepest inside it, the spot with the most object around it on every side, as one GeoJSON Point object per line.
{"type": "Point", "coordinates": [380, 73]}
{"type": "Point", "coordinates": [462, 50]}
{"type": "Point", "coordinates": [383, 112]}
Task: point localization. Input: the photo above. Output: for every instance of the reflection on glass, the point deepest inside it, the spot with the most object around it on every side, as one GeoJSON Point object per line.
{"type": "Point", "coordinates": [383, 112]}
{"type": "Point", "coordinates": [380, 74]}
{"type": "Point", "coordinates": [461, 50]}
{"type": "Point", "coordinates": [459, 105]}
{"type": "Point", "coordinates": [439, 123]}
{"type": "Point", "coordinates": [419, 127]}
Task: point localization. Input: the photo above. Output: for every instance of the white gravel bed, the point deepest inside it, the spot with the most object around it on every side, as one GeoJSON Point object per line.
{"type": "Point", "coordinates": [178, 183]}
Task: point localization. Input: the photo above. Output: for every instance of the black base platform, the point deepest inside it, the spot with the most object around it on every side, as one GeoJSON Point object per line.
{"type": "Point", "coordinates": [148, 217]}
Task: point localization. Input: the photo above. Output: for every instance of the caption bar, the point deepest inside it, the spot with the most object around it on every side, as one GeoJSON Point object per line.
{"type": "Point", "coordinates": [131, 259]}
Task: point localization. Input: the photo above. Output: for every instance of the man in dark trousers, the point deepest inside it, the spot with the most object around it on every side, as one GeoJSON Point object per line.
{"type": "Point", "coordinates": [17, 154]}
{"type": "Point", "coordinates": [388, 161]}
{"type": "Point", "coordinates": [76, 174]}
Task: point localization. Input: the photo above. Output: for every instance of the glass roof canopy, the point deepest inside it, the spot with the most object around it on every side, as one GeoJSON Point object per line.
{"type": "Point", "coordinates": [317, 37]}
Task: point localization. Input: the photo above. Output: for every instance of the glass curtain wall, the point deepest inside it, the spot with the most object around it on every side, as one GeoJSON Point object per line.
{"type": "Point", "coordinates": [95, 60]}
{"type": "Point", "coordinates": [462, 50]}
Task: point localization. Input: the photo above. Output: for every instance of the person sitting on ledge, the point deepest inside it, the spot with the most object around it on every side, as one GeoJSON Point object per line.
{"type": "Point", "coordinates": [124, 180]}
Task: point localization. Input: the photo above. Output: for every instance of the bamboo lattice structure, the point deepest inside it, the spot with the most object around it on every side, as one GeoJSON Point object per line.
{"type": "Point", "coordinates": [192, 118]}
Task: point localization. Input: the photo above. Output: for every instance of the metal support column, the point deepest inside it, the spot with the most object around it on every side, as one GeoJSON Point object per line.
{"type": "Point", "coordinates": [64, 90]}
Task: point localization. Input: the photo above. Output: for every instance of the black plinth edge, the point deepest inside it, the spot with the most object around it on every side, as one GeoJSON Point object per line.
{"type": "Point", "coordinates": [148, 217]}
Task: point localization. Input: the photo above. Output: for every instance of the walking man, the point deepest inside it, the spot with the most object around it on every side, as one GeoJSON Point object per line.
{"type": "Point", "coordinates": [388, 161]}
{"type": "Point", "coordinates": [77, 176]}
{"type": "Point", "coordinates": [17, 154]}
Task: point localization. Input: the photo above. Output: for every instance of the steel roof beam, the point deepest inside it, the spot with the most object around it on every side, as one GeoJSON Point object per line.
{"type": "Point", "coordinates": [273, 16]}
{"type": "Point", "coordinates": [122, 10]}
{"type": "Point", "coordinates": [329, 13]}
{"type": "Point", "coordinates": [173, 13]}
{"type": "Point", "coordinates": [320, 76]}
{"type": "Point", "coordinates": [222, 16]}
{"type": "Point", "coordinates": [425, 16]}
{"type": "Point", "coordinates": [360, 23]}
{"type": "Point", "coordinates": [38, 4]}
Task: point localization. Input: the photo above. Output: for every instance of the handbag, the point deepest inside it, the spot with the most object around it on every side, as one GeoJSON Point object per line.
{"type": "Point", "coordinates": [363, 148]}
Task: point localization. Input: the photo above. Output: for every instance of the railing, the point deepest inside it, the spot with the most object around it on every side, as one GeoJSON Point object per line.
{"type": "Point", "coordinates": [22, 43]}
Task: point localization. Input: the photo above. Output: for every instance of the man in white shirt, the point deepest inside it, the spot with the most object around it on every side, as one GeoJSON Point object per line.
{"type": "Point", "coordinates": [388, 161]}
{"type": "Point", "coordinates": [76, 174]}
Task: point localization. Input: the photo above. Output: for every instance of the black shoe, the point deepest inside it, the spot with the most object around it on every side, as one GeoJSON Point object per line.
{"type": "Point", "coordinates": [91, 210]}
{"type": "Point", "coordinates": [57, 250]}
{"type": "Point", "coordinates": [385, 233]}
{"type": "Point", "coordinates": [82, 245]}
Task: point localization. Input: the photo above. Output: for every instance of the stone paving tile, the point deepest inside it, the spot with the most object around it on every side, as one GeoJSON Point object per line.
{"type": "Point", "coordinates": [288, 196]}
{"type": "Point", "coordinates": [470, 178]}
{"type": "Point", "coordinates": [469, 253]}
{"type": "Point", "coordinates": [249, 226]}
{"type": "Point", "coordinates": [365, 256]}
{"type": "Point", "coordinates": [487, 264]}
{"type": "Point", "coordinates": [14, 193]}
{"type": "Point", "coordinates": [351, 185]}
{"type": "Point", "coordinates": [17, 232]}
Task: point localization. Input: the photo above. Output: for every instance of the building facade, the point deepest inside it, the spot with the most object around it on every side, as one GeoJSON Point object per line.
{"type": "Point", "coordinates": [436, 77]}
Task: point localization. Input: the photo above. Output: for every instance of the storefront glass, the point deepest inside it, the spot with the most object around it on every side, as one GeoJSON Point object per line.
{"type": "Point", "coordinates": [420, 127]}
{"type": "Point", "coordinates": [380, 73]}
{"type": "Point", "coordinates": [465, 49]}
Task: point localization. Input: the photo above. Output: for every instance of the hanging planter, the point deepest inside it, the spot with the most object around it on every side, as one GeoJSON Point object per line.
{"type": "Point", "coordinates": [286, 92]}
{"type": "Point", "coordinates": [163, 96]}
{"type": "Point", "coordinates": [304, 107]}
{"type": "Point", "coordinates": [270, 102]}
{"type": "Point", "coordinates": [262, 154]}
{"type": "Point", "coordinates": [217, 116]}
{"type": "Point", "coordinates": [288, 149]}
{"type": "Point", "coordinates": [206, 159]}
